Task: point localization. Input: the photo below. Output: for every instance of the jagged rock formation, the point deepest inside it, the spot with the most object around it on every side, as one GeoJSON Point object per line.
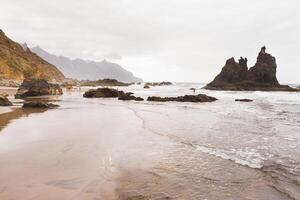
{"type": "Point", "coordinates": [200, 98]}
{"type": "Point", "coordinates": [237, 76]}
{"type": "Point", "coordinates": [37, 87]}
{"type": "Point", "coordinates": [87, 70]}
{"type": "Point", "coordinates": [17, 63]}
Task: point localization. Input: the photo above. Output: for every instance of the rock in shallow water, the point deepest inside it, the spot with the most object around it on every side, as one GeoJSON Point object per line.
{"type": "Point", "coordinates": [37, 87]}
{"type": "Point", "coordinates": [244, 100]}
{"type": "Point", "coordinates": [200, 98]}
{"type": "Point", "coordinates": [102, 93]}
{"type": "Point", "coordinates": [4, 101]}
{"type": "Point", "coordinates": [111, 93]}
{"type": "Point", "coordinates": [237, 76]}
{"type": "Point", "coordinates": [129, 96]}
{"type": "Point", "coordinates": [39, 104]}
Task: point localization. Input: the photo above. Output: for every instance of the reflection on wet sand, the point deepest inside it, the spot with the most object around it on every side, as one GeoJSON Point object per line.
{"type": "Point", "coordinates": [16, 113]}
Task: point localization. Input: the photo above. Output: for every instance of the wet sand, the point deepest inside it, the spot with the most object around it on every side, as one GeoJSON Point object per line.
{"type": "Point", "coordinates": [109, 149]}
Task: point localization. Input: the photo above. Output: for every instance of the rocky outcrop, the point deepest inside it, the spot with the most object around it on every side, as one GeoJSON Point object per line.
{"type": "Point", "coordinates": [237, 76]}
{"type": "Point", "coordinates": [39, 104]}
{"type": "Point", "coordinates": [200, 98]}
{"type": "Point", "coordinates": [4, 100]}
{"type": "Point", "coordinates": [111, 93]}
{"type": "Point", "coordinates": [18, 63]}
{"type": "Point", "coordinates": [244, 100]}
{"type": "Point", "coordinates": [129, 97]}
{"type": "Point", "coordinates": [102, 93]}
{"type": "Point", "coordinates": [37, 87]}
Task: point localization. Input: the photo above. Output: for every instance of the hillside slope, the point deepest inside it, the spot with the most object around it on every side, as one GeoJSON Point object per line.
{"type": "Point", "coordinates": [18, 63]}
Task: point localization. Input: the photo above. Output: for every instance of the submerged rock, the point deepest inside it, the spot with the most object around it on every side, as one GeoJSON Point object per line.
{"type": "Point", "coordinates": [4, 100]}
{"type": "Point", "coordinates": [244, 100]}
{"type": "Point", "coordinates": [200, 98]}
{"type": "Point", "coordinates": [129, 96]}
{"type": "Point", "coordinates": [262, 76]}
{"type": "Point", "coordinates": [39, 104]}
{"type": "Point", "coordinates": [37, 87]}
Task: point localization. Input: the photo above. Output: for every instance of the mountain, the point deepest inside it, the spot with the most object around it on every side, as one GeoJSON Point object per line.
{"type": "Point", "coordinates": [87, 70]}
{"type": "Point", "coordinates": [18, 63]}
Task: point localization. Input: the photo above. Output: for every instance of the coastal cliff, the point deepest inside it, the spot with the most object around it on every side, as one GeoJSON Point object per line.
{"type": "Point", "coordinates": [18, 63]}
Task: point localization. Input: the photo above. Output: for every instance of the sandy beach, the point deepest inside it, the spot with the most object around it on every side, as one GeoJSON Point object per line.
{"type": "Point", "coordinates": [110, 149]}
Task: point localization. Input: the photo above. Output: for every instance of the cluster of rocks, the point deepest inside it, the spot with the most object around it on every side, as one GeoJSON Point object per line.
{"type": "Point", "coordinates": [237, 76]}
{"type": "Point", "coordinates": [148, 85]}
{"type": "Point", "coordinates": [200, 98]}
{"type": "Point", "coordinates": [33, 88]}
{"type": "Point", "coordinates": [37, 87]}
{"type": "Point", "coordinates": [4, 100]}
{"type": "Point", "coordinates": [110, 93]}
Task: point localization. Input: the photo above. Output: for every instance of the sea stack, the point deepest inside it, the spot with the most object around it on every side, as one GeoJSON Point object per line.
{"type": "Point", "coordinates": [261, 77]}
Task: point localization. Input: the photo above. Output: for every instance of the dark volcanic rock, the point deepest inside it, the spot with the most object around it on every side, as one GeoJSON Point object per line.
{"type": "Point", "coordinates": [262, 76]}
{"type": "Point", "coordinates": [200, 98]}
{"type": "Point", "coordinates": [102, 93]}
{"type": "Point", "coordinates": [244, 100]}
{"type": "Point", "coordinates": [129, 96]}
{"type": "Point", "coordinates": [4, 101]}
{"type": "Point", "coordinates": [39, 104]}
{"type": "Point", "coordinates": [104, 82]}
{"type": "Point", "coordinates": [146, 86]}
{"type": "Point", "coordinates": [157, 84]}
{"type": "Point", "coordinates": [264, 71]}
{"type": "Point", "coordinates": [37, 87]}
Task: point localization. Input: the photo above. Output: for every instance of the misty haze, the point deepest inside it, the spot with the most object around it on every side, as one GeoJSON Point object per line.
{"type": "Point", "coordinates": [149, 100]}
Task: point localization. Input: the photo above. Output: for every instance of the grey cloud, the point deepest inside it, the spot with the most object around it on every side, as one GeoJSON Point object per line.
{"type": "Point", "coordinates": [161, 39]}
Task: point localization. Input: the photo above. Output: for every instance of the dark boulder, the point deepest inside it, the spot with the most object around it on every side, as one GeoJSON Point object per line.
{"type": "Point", "coordinates": [129, 96]}
{"type": "Point", "coordinates": [104, 82]}
{"type": "Point", "coordinates": [244, 100]}
{"type": "Point", "coordinates": [262, 76]}
{"type": "Point", "coordinates": [39, 104]}
{"type": "Point", "coordinates": [147, 86]}
{"type": "Point", "coordinates": [4, 100]}
{"type": "Point", "coordinates": [37, 87]}
{"type": "Point", "coordinates": [102, 93]}
{"type": "Point", "coordinates": [200, 98]}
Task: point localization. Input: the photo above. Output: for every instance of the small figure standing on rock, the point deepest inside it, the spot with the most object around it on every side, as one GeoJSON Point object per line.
{"type": "Point", "coordinates": [193, 89]}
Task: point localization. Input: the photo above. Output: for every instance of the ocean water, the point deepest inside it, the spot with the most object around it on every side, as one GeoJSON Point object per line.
{"type": "Point", "coordinates": [110, 149]}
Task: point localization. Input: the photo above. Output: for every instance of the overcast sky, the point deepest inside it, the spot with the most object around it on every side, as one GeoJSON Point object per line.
{"type": "Point", "coordinates": [176, 40]}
